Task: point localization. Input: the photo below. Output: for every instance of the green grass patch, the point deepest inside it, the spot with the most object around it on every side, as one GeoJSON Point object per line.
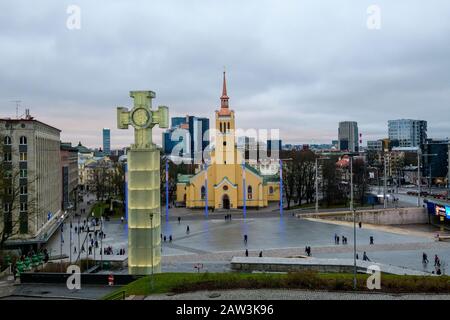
{"type": "Point", "coordinates": [99, 207]}
{"type": "Point", "coordinates": [308, 280]}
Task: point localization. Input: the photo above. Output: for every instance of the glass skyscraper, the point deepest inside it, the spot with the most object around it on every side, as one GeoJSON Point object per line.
{"type": "Point", "coordinates": [407, 132]}
{"type": "Point", "coordinates": [106, 141]}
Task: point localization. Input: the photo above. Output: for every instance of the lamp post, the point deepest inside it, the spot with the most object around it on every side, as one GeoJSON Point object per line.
{"type": "Point", "coordinates": [354, 249]}
{"type": "Point", "coordinates": [152, 249]}
{"type": "Point", "coordinates": [317, 181]}
{"type": "Point", "coordinates": [206, 190]}
{"type": "Point", "coordinates": [385, 183]}
{"type": "Point", "coordinates": [244, 189]}
{"type": "Point", "coordinates": [281, 187]}
{"type": "Point", "coordinates": [419, 178]}
{"type": "Point", "coordinates": [351, 183]}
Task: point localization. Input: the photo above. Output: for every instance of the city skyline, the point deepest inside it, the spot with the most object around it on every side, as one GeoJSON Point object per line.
{"type": "Point", "coordinates": [280, 66]}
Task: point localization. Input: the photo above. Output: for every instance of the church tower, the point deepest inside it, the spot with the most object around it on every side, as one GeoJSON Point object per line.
{"type": "Point", "coordinates": [225, 130]}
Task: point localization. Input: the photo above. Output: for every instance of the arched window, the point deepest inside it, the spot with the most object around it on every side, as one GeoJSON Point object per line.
{"type": "Point", "coordinates": [23, 140]}
{"type": "Point", "coordinates": [203, 192]}
{"type": "Point", "coordinates": [228, 126]}
{"type": "Point", "coordinates": [249, 192]}
{"type": "Point", "coordinates": [7, 140]}
{"type": "Point", "coordinates": [221, 127]}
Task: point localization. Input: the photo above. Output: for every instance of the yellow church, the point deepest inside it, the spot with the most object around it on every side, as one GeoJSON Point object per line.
{"type": "Point", "coordinates": [227, 180]}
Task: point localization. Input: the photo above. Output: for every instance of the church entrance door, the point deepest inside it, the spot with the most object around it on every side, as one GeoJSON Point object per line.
{"type": "Point", "coordinates": [225, 202]}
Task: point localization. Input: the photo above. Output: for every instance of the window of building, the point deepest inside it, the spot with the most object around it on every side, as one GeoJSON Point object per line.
{"type": "Point", "coordinates": [23, 173]}
{"type": "Point", "coordinates": [7, 157]}
{"type": "Point", "coordinates": [7, 207]}
{"type": "Point", "coordinates": [23, 140]}
{"type": "Point", "coordinates": [23, 156]}
{"type": "Point", "coordinates": [221, 127]}
{"type": "Point", "coordinates": [271, 190]}
{"type": "Point", "coordinates": [225, 188]}
{"type": "Point", "coordinates": [23, 222]}
{"type": "Point", "coordinates": [249, 192]}
{"type": "Point", "coordinates": [7, 141]}
{"type": "Point", "coordinates": [8, 191]}
{"type": "Point", "coordinates": [224, 143]}
{"type": "Point", "coordinates": [228, 126]}
{"type": "Point", "coordinates": [203, 192]}
{"type": "Point", "coordinates": [23, 207]}
{"type": "Point", "coordinates": [23, 190]}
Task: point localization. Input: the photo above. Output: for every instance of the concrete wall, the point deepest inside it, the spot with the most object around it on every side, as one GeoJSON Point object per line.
{"type": "Point", "coordinates": [414, 215]}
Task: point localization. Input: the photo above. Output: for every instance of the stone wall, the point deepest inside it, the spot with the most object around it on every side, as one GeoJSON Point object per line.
{"type": "Point", "coordinates": [392, 216]}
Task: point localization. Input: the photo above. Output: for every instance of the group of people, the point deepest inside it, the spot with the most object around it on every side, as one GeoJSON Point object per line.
{"type": "Point", "coordinates": [165, 238]}
{"type": "Point", "coordinates": [227, 217]}
{"type": "Point", "coordinates": [437, 262]}
{"type": "Point", "coordinates": [308, 251]}
{"type": "Point", "coordinates": [337, 239]}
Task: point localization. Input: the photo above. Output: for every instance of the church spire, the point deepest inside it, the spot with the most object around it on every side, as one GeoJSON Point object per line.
{"type": "Point", "coordinates": [224, 98]}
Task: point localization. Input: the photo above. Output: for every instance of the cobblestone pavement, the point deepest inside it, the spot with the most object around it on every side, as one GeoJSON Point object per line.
{"type": "Point", "coordinates": [293, 295]}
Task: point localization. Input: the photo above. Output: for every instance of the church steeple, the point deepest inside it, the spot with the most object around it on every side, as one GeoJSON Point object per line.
{"type": "Point", "coordinates": [224, 98]}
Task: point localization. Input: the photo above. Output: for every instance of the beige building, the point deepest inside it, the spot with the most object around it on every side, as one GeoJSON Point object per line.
{"type": "Point", "coordinates": [31, 200]}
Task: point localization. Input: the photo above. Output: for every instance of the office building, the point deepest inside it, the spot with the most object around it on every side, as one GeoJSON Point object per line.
{"type": "Point", "coordinates": [69, 166]}
{"type": "Point", "coordinates": [31, 203]}
{"type": "Point", "coordinates": [106, 141]}
{"type": "Point", "coordinates": [348, 136]}
{"type": "Point", "coordinates": [407, 132]}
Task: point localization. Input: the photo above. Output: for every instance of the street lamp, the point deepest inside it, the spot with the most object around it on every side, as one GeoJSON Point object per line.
{"type": "Point", "coordinates": [151, 228]}
{"type": "Point", "coordinates": [317, 181]}
{"type": "Point", "coordinates": [419, 191]}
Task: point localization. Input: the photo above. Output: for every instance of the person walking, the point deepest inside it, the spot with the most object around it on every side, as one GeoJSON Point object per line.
{"type": "Point", "coordinates": [179, 220]}
{"type": "Point", "coordinates": [424, 258]}
{"type": "Point", "coordinates": [187, 229]}
{"type": "Point", "coordinates": [371, 239]}
{"type": "Point", "coordinates": [245, 238]}
{"type": "Point", "coordinates": [360, 224]}
{"type": "Point", "coordinates": [437, 262]}
{"type": "Point", "coordinates": [260, 254]}
{"type": "Point", "coordinates": [365, 257]}
{"type": "Point", "coordinates": [246, 252]}
{"type": "Point", "coordinates": [170, 238]}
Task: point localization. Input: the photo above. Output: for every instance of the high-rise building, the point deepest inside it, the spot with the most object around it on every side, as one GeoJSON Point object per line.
{"type": "Point", "coordinates": [189, 135]}
{"type": "Point", "coordinates": [407, 132]}
{"type": "Point", "coordinates": [437, 161]}
{"type": "Point", "coordinates": [31, 165]}
{"type": "Point", "coordinates": [348, 136]}
{"type": "Point", "coordinates": [106, 141]}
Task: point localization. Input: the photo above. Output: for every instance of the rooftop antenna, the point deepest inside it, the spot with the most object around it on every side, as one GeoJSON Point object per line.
{"type": "Point", "coordinates": [17, 102]}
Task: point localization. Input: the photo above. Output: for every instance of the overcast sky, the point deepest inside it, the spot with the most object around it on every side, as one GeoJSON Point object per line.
{"type": "Point", "coordinates": [299, 66]}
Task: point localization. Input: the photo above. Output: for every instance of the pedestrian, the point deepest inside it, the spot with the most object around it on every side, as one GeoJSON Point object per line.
{"type": "Point", "coordinates": [170, 238]}
{"type": "Point", "coordinates": [424, 258]}
{"type": "Point", "coordinates": [245, 238]}
{"type": "Point", "coordinates": [246, 252]}
{"type": "Point", "coordinates": [371, 239]}
{"type": "Point", "coordinates": [437, 263]}
{"type": "Point", "coordinates": [164, 238]}
{"type": "Point", "coordinates": [179, 220]}
{"type": "Point", "coordinates": [365, 257]}
{"type": "Point", "coordinates": [337, 239]}
{"type": "Point", "coordinates": [74, 249]}
{"type": "Point", "coordinates": [122, 219]}
{"type": "Point", "coordinates": [187, 229]}
{"type": "Point", "coordinates": [360, 224]}
{"type": "Point", "coordinates": [260, 254]}
{"type": "Point", "coordinates": [357, 257]}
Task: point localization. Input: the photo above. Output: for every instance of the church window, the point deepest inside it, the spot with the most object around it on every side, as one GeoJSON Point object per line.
{"type": "Point", "coordinates": [225, 188]}
{"type": "Point", "coordinates": [203, 192]}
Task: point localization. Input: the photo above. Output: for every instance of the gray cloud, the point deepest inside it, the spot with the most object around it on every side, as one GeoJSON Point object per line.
{"type": "Point", "coordinates": [300, 66]}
